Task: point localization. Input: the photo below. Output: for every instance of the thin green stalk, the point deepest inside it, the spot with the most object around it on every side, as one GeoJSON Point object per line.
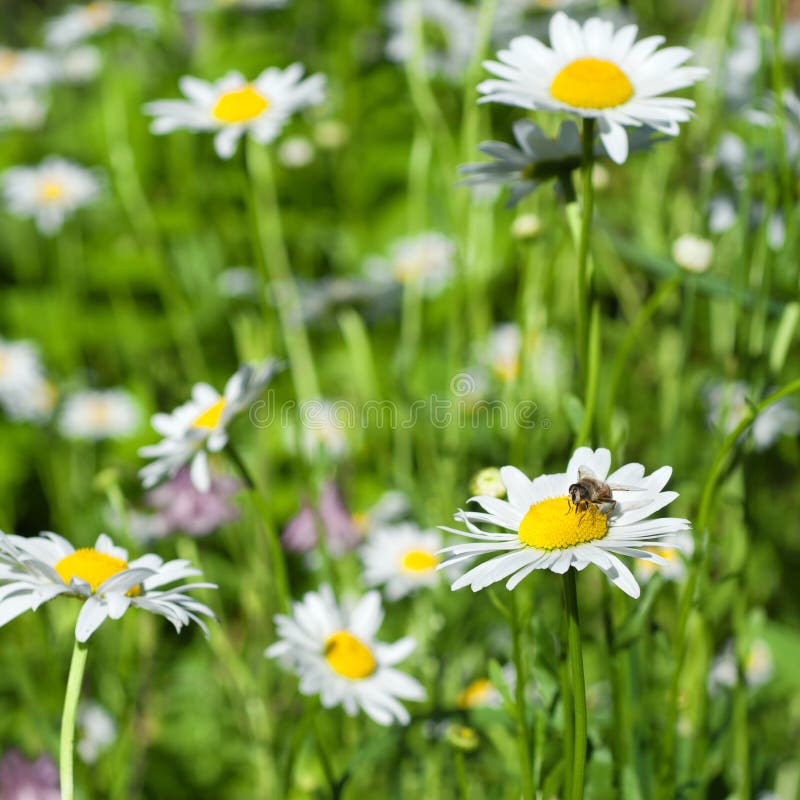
{"type": "Point", "coordinates": [741, 737]}
{"type": "Point", "coordinates": [269, 238]}
{"type": "Point", "coordinates": [592, 378]}
{"type": "Point", "coordinates": [523, 734]}
{"type": "Point", "coordinates": [461, 776]}
{"type": "Point", "coordinates": [587, 211]}
{"type": "Point", "coordinates": [74, 682]}
{"type": "Point", "coordinates": [578, 683]}
{"type": "Point", "coordinates": [567, 707]}
{"type": "Point", "coordinates": [697, 568]}
{"type": "Point", "coordinates": [325, 763]}
{"type": "Point", "coordinates": [277, 557]}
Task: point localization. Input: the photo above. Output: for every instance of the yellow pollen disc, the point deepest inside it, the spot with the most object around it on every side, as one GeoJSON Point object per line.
{"type": "Point", "coordinates": [476, 694]}
{"type": "Point", "coordinates": [239, 105]}
{"type": "Point", "coordinates": [348, 656]}
{"type": "Point", "coordinates": [8, 60]}
{"type": "Point", "coordinates": [92, 567]}
{"type": "Point", "coordinates": [507, 369]}
{"type": "Point", "coordinates": [556, 524]}
{"type": "Point", "coordinates": [419, 561]}
{"type": "Point", "coordinates": [209, 419]}
{"type": "Point", "coordinates": [50, 191]}
{"type": "Point", "coordinates": [591, 83]}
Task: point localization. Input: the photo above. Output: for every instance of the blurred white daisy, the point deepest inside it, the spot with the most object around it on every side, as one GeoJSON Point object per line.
{"type": "Point", "coordinates": [79, 64]}
{"type": "Point", "coordinates": [675, 559]}
{"type": "Point", "coordinates": [692, 253]}
{"type": "Point", "coordinates": [758, 667]}
{"type": "Point", "coordinates": [21, 70]}
{"type": "Point", "coordinates": [550, 532]}
{"type": "Point", "coordinates": [323, 429]}
{"type": "Point", "coordinates": [592, 71]}
{"type": "Point", "coordinates": [37, 569]}
{"type": "Point", "coordinates": [502, 350]}
{"type": "Point", "coordinates": [23, 110]}
{"type": "Point", "coordinates": [97, 731]}
{"type": "Point", "coordinates": [296, 152]}
{"type": "Point", "coordinates": [728, 404]}
{"type": "Point", "coordinates": [333, 650]}
{"type": "Point", "coordinates": [50, 192]}
{"type": "Point", "coordinates": [480, 693]}
{"type": "Point", "coordinates": [21, 372]}
{"type": "Point", "coordinates": [447, 29]}
{"type": "Point", "coordinates": [424, 260]}
{"type": "Point", "coordinates": [401, 558]}
{"type": "Point", "coordinates": [99, 414]}
{"type": "Point", "coordinates": [82, 22]}
{"type": "Point", "coordinates": [234, 106]}
{"type": "Point", "coordinates": [200, 426]}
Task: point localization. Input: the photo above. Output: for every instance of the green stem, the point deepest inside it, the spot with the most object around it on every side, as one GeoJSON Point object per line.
{"type": "Point", "coordinates": [461, 776]}
{"type": "Point", "coordinates": [523, 735]}
{"type": "Point", "coordinates": [74, 682]}
{"type": "Point", "coordinates": [567, 710]}
{"type": "Point", "coordinates": [578, 683]}
{"type": "Point", "coordinates": [325, 763]}
{"type": "Point", "coordinates": [697, 567]}
{"type": "Point", "coordinates": [587, 210]}
{"type": "Point", "coordinates": [276, 553]}
{"type": "Point", "coordinates": [269, 236]}
{"type": "Point", "coordinates": [584, 436]}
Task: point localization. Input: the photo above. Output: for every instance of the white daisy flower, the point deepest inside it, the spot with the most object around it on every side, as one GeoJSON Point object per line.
{"type": "Point", "coordinates": [97, 731]}
{"type": "Point", "coordinates": [481, 693]}
{"type": "Point", "coordinates": [758, 667]}
{"type": "Point", "coordinates": [502, 351]}
{"type": "Point", "coordinates": [592, 71]}
{"type": "Point", "coordinates": [199, 427]}
{"type": "Point", "coordinates": [333, 651]}
{"type": "Point", "coordinates": [675, 560]}
{"type": "Point", "coordinates": [693, 253]}
{"type": "Point", "coordinates": [448, 29]}
{"type": "Point", "coordinates": [23, 110]}
{"type": "Point", "coordinates": [24, 69]}
{"type": "Point", "coordinates": [551, 532]}
{"type": "Point", "coordinates": [37, 569]}
{"type": "Point", "coordinates": [79, 64]}
{"type": "Point", "coordinates": [425, 260]}
{"type": "Point", "coordinates": [96, 415]}
{"type": "Point", "coordinates": [50, 192]}
{"type": "Point", "coordinates": [728, 404]}
{"type": "Point", "coordinates": [82, 22]}
{"type": "Point", "coordinates": [21, 372]}
{"type": "Point", "coordinates": [324, 429]}
{"type": "Point", "coordinates": [234, 106]}
{"type": "Point", "coordinates": [401, 558]}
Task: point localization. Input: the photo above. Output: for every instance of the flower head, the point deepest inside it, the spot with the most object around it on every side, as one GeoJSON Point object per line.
{"type": "Point", "coordinates": [21, 779]}
{"type": "Point", "coordinates": [23, 70]}
{"type": "Point", "coordinates": [550, 531]}
{"type": "Point", "coordinates": [37, 569]}
{"type": "Point", "coordinates": [98, 731]}
{"type": "Point", "coordinates": [424, 260]}
{"type": "Point", "coordinates": [78, 23]}
{"type": "Point", "coordinates": [25, 393]}
{"type": "Point", "coordinates": [50, 192]}
{"type": "Point", "coordinates": [234, 106]}
{"type": "Point", "coordinates": [200, 426]}
{"type": "Point", "coordinates": [592, 71]}
{"type": "Point", "coordinates": [334, 652]}
{"type": "Point", "coordinates": [401, 558]}
{"type": "Point", "coordinates": [96, 415]}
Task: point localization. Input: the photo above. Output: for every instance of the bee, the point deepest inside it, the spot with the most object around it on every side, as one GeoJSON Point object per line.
{"type": "Point", "coordinates": [589, 489]}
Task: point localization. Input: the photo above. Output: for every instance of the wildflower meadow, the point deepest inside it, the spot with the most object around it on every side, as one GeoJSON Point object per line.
{"type": "Point", "coordinates": [399, 399]}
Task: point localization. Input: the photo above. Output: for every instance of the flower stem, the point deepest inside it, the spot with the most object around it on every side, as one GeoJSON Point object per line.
{"type": "Point", "coordinates": [264, 512]}
{"type": "Point", "coordinates": [73, 693]}
{"type": "Point", "coordinates": [587, 210]}
{"type": "Point", "coordinates": [461, 776]}
{"type": "Point", "coordinates": [523, 735]}
{"type": "Point", "coordinates": [578, 684]}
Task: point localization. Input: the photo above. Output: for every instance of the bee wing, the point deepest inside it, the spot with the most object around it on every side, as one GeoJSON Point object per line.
{"type": "Point", "coordinates": [621, 487]}
{"type": "Point", "coordinates": [585, 472]}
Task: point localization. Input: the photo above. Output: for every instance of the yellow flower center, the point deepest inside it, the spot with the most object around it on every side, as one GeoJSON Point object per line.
{"type": "Point", "coordinates": [209, 419]}
{"type": "Point", "coordinates": [93, 567]}
{"type": "Point", "coordinates": [419, 561]}
{"type": "Point", "coordinates": [98, 15]}
{"type": "Point", "coordinates": [50, 191]}
{"type": "Point", "coordinates": [8, 60]}
{"type": "Point", "coordinates": [507, 368]}
{"type": "Point", "coordinates": [591, 83]}
{"type": "Point", "coordinates": [476, 694]}
{"type": "Point", "coordinates": [556, 524]}
{"type": "Point", "coordinates": [348, 656]}
{"type": "Point", "coordinates": [239, 105]}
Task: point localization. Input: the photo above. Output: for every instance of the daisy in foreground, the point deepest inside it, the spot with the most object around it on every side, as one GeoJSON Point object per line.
{"type": "Point", "coordinates": [34, 570]}
{"type": "Point", "coordinates": [234, 106]}
{"type": "Point", "coordinates": [50, 192]}
{"type": "Point", "coordinates": [550, 531]}
{"type": "Point", "coordinates": [200, 426]}
{"type": "Point", "coordinates": [333, 651]}
{"type": "Point", "coordinates": [594, 72]}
